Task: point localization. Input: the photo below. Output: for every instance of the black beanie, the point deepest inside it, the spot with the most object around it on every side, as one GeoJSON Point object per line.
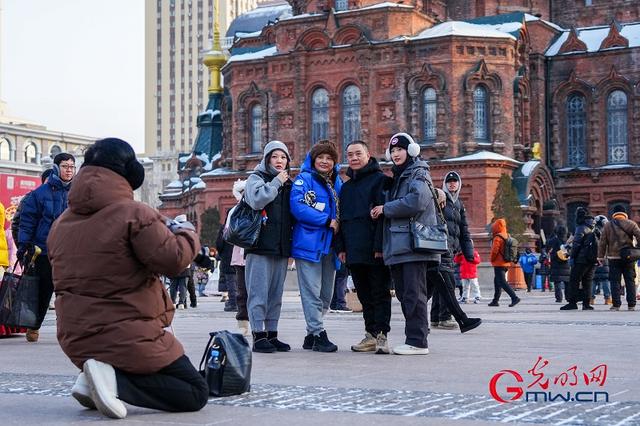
{"type": "Point", "coordinates": [399, 141]}
{"type": "Point", "coordinates": [619, 208]}
{"type": "Point", "coordinates": [118, 156]}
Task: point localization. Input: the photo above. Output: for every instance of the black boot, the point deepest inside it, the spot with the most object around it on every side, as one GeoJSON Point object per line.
{"type": "Point", "coordinates": [272, 337]}
{"type": "Point", "coordinates": [308, 342]}
{"type": "Point", "coordinates": [469, 324]}
{"type": "Point", "coordinates": [569, 307]}
{"type": "Point", "coordinates": [321, 343]}
{"type": "Point", "coordinates": [261, 344]}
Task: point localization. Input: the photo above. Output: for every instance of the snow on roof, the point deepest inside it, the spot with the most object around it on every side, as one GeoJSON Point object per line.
{"type": "Point", "coordinates": [529, 18]}
{"type": "Point", "coordinates": [458, 28]}
{"type": "Point", "coordinates": [219, 171]}
{"type": "Point", "coordinates": [483, 155]}
{"type": "Point", "coordinates": [256, 19]}
{"type": "Point", "coordinates": [248, 35]}
{"type": "Point", "coordinates": [260, 54]}
{"type": "Point", "coordinates": [378, 6]}
{"type": "Point", "coordinates": [175, 184]}
{"type": "Point", "coordinates": [594, 36]}
{"type": "Point", "coordinates": [529, 166]}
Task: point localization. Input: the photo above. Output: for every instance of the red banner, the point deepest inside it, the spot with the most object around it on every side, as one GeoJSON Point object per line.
{"type": "Point", "coordinates": [12, 189]}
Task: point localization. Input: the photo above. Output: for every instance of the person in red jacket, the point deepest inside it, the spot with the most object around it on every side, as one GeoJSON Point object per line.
{"type": "Point", "coordinates": [469, 277]}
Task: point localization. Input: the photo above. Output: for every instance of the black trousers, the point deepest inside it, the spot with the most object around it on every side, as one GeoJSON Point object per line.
{"type": "Point", "coordinates": [411, 290]}
{"type": "Point", "coordinates": [441, 283]}
{"type": "Point", "coordinates": [372, 284]}
{"type": "Point", "coordinates": [177, 387]}
{"type": "Point", "coordinates": [528, 278]}
{"type": "Point", "coordinates": [617, 269]}
{"type": "Point", "coordinates": [580, 283]}
{"type": "Point", "coordinates": [241, 296]}
{"type": "Point", "coordinates": [191, 288]}
{"type": "Point", "coordinates": [500, 283]}
{"type": "Point", "coordinates": [43, 271]}
{"type": "Point", "coordinates": [558, 286]}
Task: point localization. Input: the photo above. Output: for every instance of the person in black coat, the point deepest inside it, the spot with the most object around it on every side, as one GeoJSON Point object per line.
{"type": "Point", "coordinates": [601, 274]}
{"type": "Point", "coordinates": [560, 268]}
{"type": "Point", "coordinates": [360, 245]}
{"type": "Point", "coordinates": [581, 277]}
{"type": "Point", "coordinates": [227, 272]}
{"type": "Point", "coordinates": [459, 240]}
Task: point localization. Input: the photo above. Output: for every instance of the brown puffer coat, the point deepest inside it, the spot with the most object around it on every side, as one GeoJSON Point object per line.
{"type": "Point", "coordinates": [106, 251]}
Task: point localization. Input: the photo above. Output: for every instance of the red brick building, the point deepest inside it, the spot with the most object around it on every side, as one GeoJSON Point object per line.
{"type": "Point", "coordinates": [486, 87]}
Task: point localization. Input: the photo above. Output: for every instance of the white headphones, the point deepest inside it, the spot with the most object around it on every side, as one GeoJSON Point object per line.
{"type": "Point", "coordinates": [413, 150]}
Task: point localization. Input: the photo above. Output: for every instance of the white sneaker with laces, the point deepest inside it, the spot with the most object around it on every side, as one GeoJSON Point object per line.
{"type": "Point", "coordinates": [410, 350]}
{"type": "Point", "coordinates": [101, 378]}
{"type": "Point", "coordinates": [82, 392]}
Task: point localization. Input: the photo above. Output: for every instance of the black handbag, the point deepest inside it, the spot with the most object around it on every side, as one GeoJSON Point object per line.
{"type": "Point", "coordinates": [19, 298]}
{"type": "Point", "coordinates": [226, 364]}
{"type": "Point", "coordinates": [244, 226]}
{"type": "Point", "coordinates": [430, 239]}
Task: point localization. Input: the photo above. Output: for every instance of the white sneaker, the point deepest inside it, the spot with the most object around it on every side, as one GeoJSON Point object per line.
{"type": "Point", "coordinates": [410, 350]}
{"type": "Point", "coordinates": [82, 392]}
{"type": "Point", "coordinates": [243, 327]}
{"type": "Point", "coordinates": [104, 389]}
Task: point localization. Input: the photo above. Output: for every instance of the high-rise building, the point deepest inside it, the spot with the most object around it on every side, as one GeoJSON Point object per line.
{"type": "Point", "coordinates": [177, 32]}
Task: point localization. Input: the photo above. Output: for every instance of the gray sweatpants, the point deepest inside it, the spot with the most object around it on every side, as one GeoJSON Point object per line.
{"type": "Point", "coordinates": [316, 281]}
{"type": "Point", "coordinates": [264, 279]}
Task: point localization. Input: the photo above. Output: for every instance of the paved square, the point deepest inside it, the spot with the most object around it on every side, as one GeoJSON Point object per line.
{"type": "Point", "coordinates": [448, 386]}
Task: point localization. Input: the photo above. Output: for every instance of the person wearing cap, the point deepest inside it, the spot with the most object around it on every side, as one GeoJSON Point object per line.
{"type": "Point", "coordinates": [268, 189]}
{"type": "Point", "coordinates": [582, 268]}
{"type": "Point", "coordinates": [617, 234]}
{"type": "Point", "coordinates": [409, 198]}
{"type": "Point", "coordinates": [315, 204]}
{"type": "Point", "coordinates": [360, 245]}
{"type": "Point", "coordinates": [459, 240]}
{"type": "Point", "coordinates": [107, 252]}
{"type": "Point", "coordinates": [39, 210]}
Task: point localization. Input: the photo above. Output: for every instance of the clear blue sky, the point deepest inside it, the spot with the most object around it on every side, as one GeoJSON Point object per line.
{"type": "Point", "coordinates": [76, 65]}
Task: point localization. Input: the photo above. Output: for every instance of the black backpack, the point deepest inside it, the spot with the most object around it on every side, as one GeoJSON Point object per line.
{"type": "Point", "coordinates": [589, 249]}
{"type": "Point", "coordinates": [510, 249]}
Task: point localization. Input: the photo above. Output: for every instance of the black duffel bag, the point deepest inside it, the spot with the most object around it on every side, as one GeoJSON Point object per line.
{"type": "Point", "coordinates": [244, 226]}
{"type": "Point", "coordinates": [226, 364]}
{"type": "Point", "coordinates": [19, 298]}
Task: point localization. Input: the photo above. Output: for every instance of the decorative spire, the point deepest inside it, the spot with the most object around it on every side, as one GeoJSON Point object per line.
{"type": "Point", "coordinates": [215, 58]}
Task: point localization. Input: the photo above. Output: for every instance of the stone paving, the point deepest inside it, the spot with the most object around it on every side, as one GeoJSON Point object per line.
{"type": "Point", "coordinates": [448, 386]}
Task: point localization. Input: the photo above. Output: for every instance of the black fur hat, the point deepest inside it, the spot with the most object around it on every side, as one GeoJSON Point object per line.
{"type": "Point", "coordinates": [118, 156]}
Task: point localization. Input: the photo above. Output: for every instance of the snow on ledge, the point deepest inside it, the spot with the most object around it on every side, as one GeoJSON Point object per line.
{"type": "Point", "coordinates": [466, 29]}
{"type": "Point", "coordinates": [483, 156]}
{"type": "Point", "coordinates": [260, 54]}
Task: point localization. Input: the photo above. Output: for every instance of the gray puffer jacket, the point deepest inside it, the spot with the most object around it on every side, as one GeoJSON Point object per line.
{"type": "Point", "coordinates": [409, 197]}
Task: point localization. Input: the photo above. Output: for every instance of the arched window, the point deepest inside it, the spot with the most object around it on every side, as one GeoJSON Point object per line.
{"type": "Point", "coordinates": [617, 127]}
{"type": "Point", "coordinates": [256, 128]}
{"type": "Point", "coordinates": [480, 114]}
{"type": "Point", "coordinates": [576, 131]}
{"type": "Point", "coordinates": [350, 116]}
{"type": "Point", "coordinates": [319, 115]}
{"type": "Point", "coordinates": [5, 150]}
{"type": "Point", "coordinates": [429, 113]}
{"type": "Point", "coordinates": [55, 150]}
{"type": "Point", "coordinates": [31, 153]}
{"type": "Point", "coordinates": [342, 4]}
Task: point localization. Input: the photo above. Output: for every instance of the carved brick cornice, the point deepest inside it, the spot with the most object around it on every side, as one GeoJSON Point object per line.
{"type": "Point", "coordinates": [313, 39]}
{"type": "Point", "coordinates": [614, 38]}
{"type": "Point", "coordinates": [573, 43]}
{"type": "Point", "coordinates": [426, 76]}
{"type": "Point", "coordinates": [614, 80]}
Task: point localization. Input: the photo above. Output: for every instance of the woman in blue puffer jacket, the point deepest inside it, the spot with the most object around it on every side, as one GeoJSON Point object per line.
{"type": "Point", "coordinates": [315, 206]}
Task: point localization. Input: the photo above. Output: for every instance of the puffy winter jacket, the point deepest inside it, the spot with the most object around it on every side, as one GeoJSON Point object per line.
{"type": "Point", "coordinates": [456, 216]}
{"type": "Point", "coordinates": [313, 207]}
{"type": "Point", "coordinates": [578, 255]}
{"type": "Point", "coordinates": [499, 232]}
{"type": "Point", "coordinates": [560, 269]}
{"type": "Point", "coordinates": [468, 270]}
{"type": "Point", "coordinates": [4, 247]}
{"type": "Point", "coordinates": [40, 209]}
{"type": "Point", "coordinates": [617, 233]}
{"type": "Point", "coordinates": [360, 236]}
{"type": "Point", "coordinates": [527, 262]}
{"type": "Point", "coordinates": [408, 198]}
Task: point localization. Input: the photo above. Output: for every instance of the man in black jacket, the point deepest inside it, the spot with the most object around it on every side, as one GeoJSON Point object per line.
{"type": "Point", "coordinates": [459, 241]}
{"type": "Point", "coordinates": [360, 245]}
{"type": "Point", "coordinates": [583, 264]}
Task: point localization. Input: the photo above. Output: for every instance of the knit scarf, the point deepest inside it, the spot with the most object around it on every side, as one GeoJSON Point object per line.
{"type": "Point", "coordinates": [328, 178]}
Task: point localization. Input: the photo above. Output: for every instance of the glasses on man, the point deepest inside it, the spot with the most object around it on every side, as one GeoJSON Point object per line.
{"type": "Point", "coordinates": [67, 167]}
